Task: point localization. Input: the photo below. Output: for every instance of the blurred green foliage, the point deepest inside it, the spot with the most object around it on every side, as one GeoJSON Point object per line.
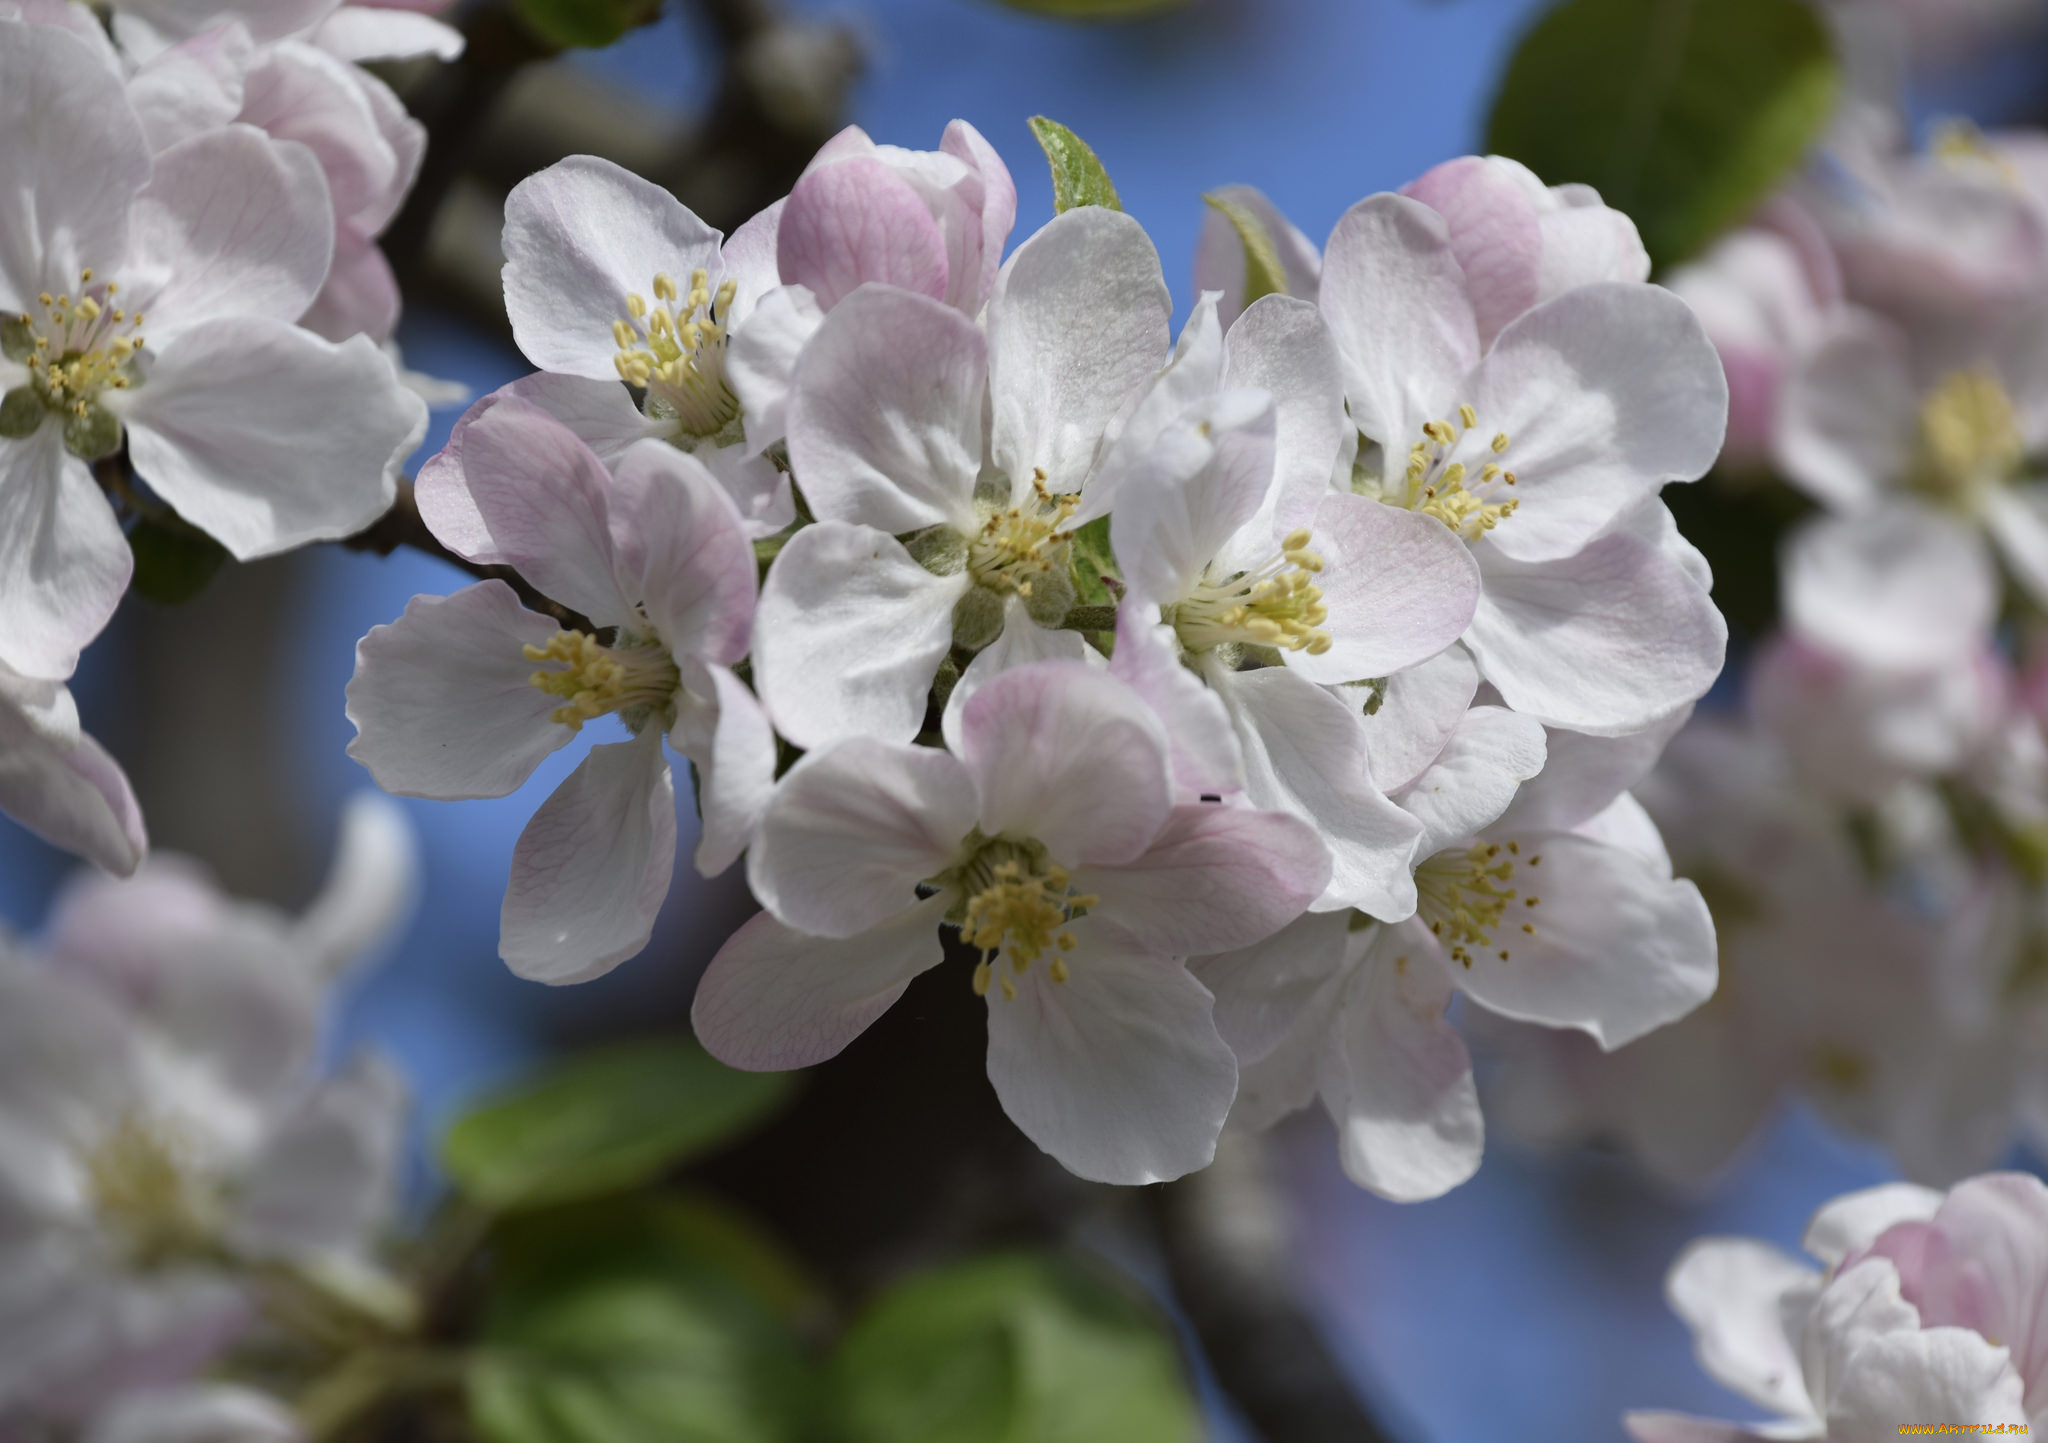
{"type": "Point", "coordinates": [173, 560]}
{"type": "Point", "coordinates": [1077, 176]}
{"type": "Point", "coordinates": [585, 24]}
{"type": "Point", "coordinates": [1683, 113]}
{"type": "Point", "coordinates": [607, 1121]}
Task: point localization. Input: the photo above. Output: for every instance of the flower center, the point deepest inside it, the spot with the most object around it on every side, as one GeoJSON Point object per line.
{"type": "Point", "coordinates": [1278, 605]}
{"type": "Point", "coordinates": [146, 1195]}
{"type": "Point", "coordinates": [636, 679]}
{"type": "Point", "coordinates": [1023, 543]}
{"type": "Point", "coordinates": [75, 351]}
{"type": "Point", "coordinates": [674, 350]}
{"type": "Point", "coordinates": [1463, 898]}
{"type": "Point", "coordinates": [1017, 901]}
{"type": "Point", "coordinates": [1470, 503]}
{"type": "Point", "coordinates": [1969, 438]}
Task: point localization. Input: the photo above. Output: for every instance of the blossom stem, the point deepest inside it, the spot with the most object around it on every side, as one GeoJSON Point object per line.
{"type": "Point", "coordinates": [1090, 618]}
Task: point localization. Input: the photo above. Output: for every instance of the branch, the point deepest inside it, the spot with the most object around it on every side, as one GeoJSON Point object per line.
{"type": "Point", "coordinates": [1225, 1237]}
{"type": "Point", "coordinates": [403, 525]}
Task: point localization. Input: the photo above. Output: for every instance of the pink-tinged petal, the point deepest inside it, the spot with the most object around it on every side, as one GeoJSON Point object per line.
{"type": "Point", "coordinates": [1117, 1071]}
{"type": "Point", "coordinates": [1400, 587]}
{"type": "Point", "coordinates": [848, 633]}
{"type": "Point", "coordinates": [442, 700]}
{"type": "Point", "coordinates": [724, 732]}
{"type": "Point", "coordinates": [267, 437]}
{"type": "Point", "coordinates": [998, 210]}
{"type": "Point", "coordinates": [1284, 347]}
{"type": "Point", "coordinates": [1265, 991]}
{"type": "Point", "coordinates": [775, 998]}
{"type": "Point", "coordinates": [1614, 949]}
{"type": "Point", "coordinates": [1220, 259]}
{"type": "Point", "coordinates": [1605, 394]}
{"type": "Point", "coordinates": [1490, 754]}
{"type": "Point", "coordinates": [1489, 207]}
{"type": "Point", "coordinates": [1851, 1223]}
{"type": "Point", "coordinates": [1305, 753]}
{"type": "Point", "coordinates": [1846, 417]}
{"type": "Point", "coordinates": [885, 413]}
{"type": "Point", "coordinates": [70, 793]}
{"type": "Point", "coordinates": [297, 93]}
{"type": "Point", "coordinates": [75, 159]}
{"type": "Point", "coordinates": [1397, 1079]}
{"type": "Point", "coordinates": [546, 499]}
{"type": "Point", "coordinates": [600, 413]}
{"type": "Point", "coordinates": [1182, 498]}
{"type": "Point", "coordinates": [857, 221]}
{"type": "Point", "coordinates": [1583, 774]}
{"type": "Point", "coordinates": [761, 490]}
{"type": "Point", "coordinates": [1418, 710]}
{"type": "Point", "coordinates": [1213, 879]}
{"type": "Point", "coordinates": [360, 297]}
{"type": "Point", "coordinates": [854, 829]}
{"type": "Point", "coordinates": [1586, 241]}
{"type": "Point", "coordinates": [1608, 641]}
{"type": "Point", "coordinates": [580, 237]}
{"type": "Point", "coordinates": [327, 1176]}
{"type": "Point", "coordinates": [192, 88]}
{"type": "Point", "coordinates": [592, 868]}
{"type": "Point", "coordinates": [1950, 1374]}
{"type": "Point", "coordinates": [761, 358]}
{"type": "Point", "coordinates": [64, 562]}
{"type": "Point", "coordinates": [1744, 1301]}
{"type": "Point", "coordinates": [1207, 760]}
{"type": "Point", "coordinates": [1395, 298]}
{"type": "Point", "coordinates": [1070, 755]}
{"type": "Point", "coordinates": [1900, 588]}
{"type": "Point", "coordinates": [231, 224]}
{"type": "Point", "coordinates": [268, 20]}
{"type": "Point", "coordinates": [1077, 326]}
{"type": "Point", "coordinates": [1021, 642]}
{"type": "Point", "coordinates": [683, 551]}
{"type": "Point", "coordinates": [749, 259]}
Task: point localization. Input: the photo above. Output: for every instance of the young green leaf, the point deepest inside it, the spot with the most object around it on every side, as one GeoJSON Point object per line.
{"type": "Point", "coordinates": [1077, 176]}
{"type": "Point", "coordinates": [1264, 275]}
{"type": "Point", "coordinates": [1093, 561]}
{"type": "Point", "coordinates": [1683, 113]}
{"type": "Point", "coordinates": [603, 1122]}
{"type": "Point", "coordinates": [1020, 1348]}
{"type": "Point", "coordinates": [584, 24]}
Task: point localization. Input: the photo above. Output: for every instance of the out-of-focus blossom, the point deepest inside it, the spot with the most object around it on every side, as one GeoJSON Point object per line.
{"type": "Point", "coordinates": [257, 431]}
{"type": "Point", "coordinates": [1054, 843]}
{"type": "Point", "coordinates": [162, 1134]}
{"type": "Point", "coordinates": [447, 703]}
{"type": "Point", "coordinates": [60, 783]}
{"type": "Point", "coordinates": [886, 432]}
{"type": "Point", "coordinates": [194, 1413]}
{"type": "Point", "coordinates": [1928, 1310]}
{"type": "Point", "coordinates": [1540, 452]}
{"type": "Point", "coordinates": [1561, 911]}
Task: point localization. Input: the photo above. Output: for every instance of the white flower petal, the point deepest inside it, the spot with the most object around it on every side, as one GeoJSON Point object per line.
{"type": "Point", "coordinates": [327, 1176]}
{"type": "Point", "coordinates": [1474, 778]}
{"type": "Point", "coordinates": [854, 829]}
{"type": "Point", "coordinates": [1583, 774]}
{"type": "Point", "coordinates": [592, 868]}
{"type": "Point", "coordinates": [775, 998]}
{"type": "Point", "coordinates": [1400, 587]}
{"type": "Point", "coordinates": [727, 737]}
{"type": "Point", "coordinates": [1740, 1296]}
{"type": "Point", "coordinates": [1284, 347]}
{"type": "Point", "coordinates": [1419, 709]}
{"type": "Point", "coordinates": [1264, 991]}
{"type": "Point", "coordinates": [1900, 588]}
{"type": "Point", "coordinates": [1118, 1071]}
{"type": "Point", "coordinates": [64, 561]}
{"type": "Point", "coordinates": [374, 32]}
{"type": "Point", "coordinates": [69, 792]}
{"type": "Point", "coordinates": [1949, 1374]}
{"type": "Point", "coordinates": [1182, 498]}
{"type": "Point", "coordinates": [1207, 760]}
{"type": "Point", "coordinates": [1846, 418]}
{"type": "Point", "coordinates": [761, 358]}
{"type": "Point", "coordinates": [1220, 259]}
{"type": "Point", "coordinates": [1021, 642]}
{"type": "Point", "coordinates": [678, 535]}
{"type": "Point", "coordinates": [848, 634]}
{"type": "Point", "coordinates": [580, 237]}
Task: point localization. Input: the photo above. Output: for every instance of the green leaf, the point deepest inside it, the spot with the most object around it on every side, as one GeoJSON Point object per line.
{"type": "Point", "coordinates": [1264, 275]}
{"type": "Point", "coordinates": [1020, 1348]}
{"type": "Point", "coordinates": [639, 1320]}
{"type": "Point", "coordinates": [173, 561]}
{"type": "Point", "coordinates": [603, 1122]}
{"type": "Point", "coordinates": [1683, 113]}
{"type": "Point", "coordinates": [1092, 561]}
{"type": "Point", "coordinates": [1077, 176]}
{"type": "Point", "coordinates": [1097, 9]}
{"type": "Point", "coordinates": [585, 24]}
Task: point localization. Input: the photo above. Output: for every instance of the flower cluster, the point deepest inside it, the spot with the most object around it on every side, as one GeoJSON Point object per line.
{"type": "Point", "coordinates": [1194, 686]}
{"type": "Point", "coordinates": [193, 326]}
{"type": "Point", "coordinates": [1874, 834]}
{"type": "Point", "coordinates": [1928, 1312]}
{"type": "Point", "coordinates": [176, 1176]}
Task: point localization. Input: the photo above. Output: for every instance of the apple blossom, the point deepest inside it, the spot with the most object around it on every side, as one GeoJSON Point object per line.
{"type": "Point", "coordinates": [1053, 837]}
{"type": "Point", "coordinates": [162, 1125]}
{"type": "Point", "coordinates": [1927, 1312]}
{"type": "Point", "coordinates": [447, 703]}
{"type": "Point", "coordinates": [258, 432]}
{"type": "Point", "coordinates": [60, 783]}
{"type": "Point", "coordinates": [1539, 451]}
